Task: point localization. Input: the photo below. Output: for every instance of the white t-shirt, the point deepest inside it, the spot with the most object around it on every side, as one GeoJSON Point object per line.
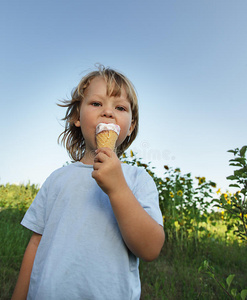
{"type": "Point", "coordinates": [81, 254]}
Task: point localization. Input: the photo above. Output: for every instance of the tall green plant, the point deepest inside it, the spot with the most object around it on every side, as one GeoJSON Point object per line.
{"type": "Point", "coordinates": [234, 206]}
{"type": "Point", "coordinates": [183, 202]}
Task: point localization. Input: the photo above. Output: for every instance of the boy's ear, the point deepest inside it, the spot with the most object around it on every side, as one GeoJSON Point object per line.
{"type": "Point", "coordinates": [77, 123]}
{"type": "Point", "coordinates": [132, 127]}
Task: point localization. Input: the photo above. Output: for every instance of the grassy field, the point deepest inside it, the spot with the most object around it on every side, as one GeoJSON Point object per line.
{"type": "Point", "coordinates": [174, 275]}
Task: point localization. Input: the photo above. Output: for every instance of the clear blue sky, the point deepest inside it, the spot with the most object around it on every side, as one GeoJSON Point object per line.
{"type": "Point", "coordinates": [187, 60]}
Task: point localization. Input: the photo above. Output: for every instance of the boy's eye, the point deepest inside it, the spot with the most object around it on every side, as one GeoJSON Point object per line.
{"type": "Point", "coordinates": [121, 108]}
{"type": "Point", "coordinates": [95, 104]}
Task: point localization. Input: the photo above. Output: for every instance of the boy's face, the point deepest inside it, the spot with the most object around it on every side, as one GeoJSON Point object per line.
{"type": "Point", "coordinates": [97, 107]}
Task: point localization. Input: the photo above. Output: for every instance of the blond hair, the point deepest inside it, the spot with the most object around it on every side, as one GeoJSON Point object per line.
{"type": "Point", "coordinates": [71, 138]}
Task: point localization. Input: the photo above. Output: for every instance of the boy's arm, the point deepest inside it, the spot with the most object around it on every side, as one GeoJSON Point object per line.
{"type": "Point", "coordinates": [22, 284]}
{"type": "Point", "coordinates": [141, 233]}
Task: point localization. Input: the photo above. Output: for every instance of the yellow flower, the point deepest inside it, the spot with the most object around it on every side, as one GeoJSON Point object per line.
{"type": "Point", "coordinates": [222, 217]}
{"type": "Point", "coordinates": [201, 180]}
{"type": "Point", "coordinates": [222, 212]}
{"type": "Point", "coordinates": [229, 201]}
{"type": "Point", "coordinates": [171, 194]}
{"type": "Point", "coordinates": [180, 193]}
{"type": "Point", "coordinates": [160, 182]}
{"type": "Point", "coordinates": [245, 216]}
{"type": "Point", "coordinates": [124, 155]}
{"type": "Point", "coordinates": [131, 153]}
{"type": "Point", "coordinates": [225, 195]}
{"type": "Point", "coordinates": [218, 192]}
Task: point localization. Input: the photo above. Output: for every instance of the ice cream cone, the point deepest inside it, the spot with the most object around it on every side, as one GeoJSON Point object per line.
{"type": "Point", "coordinates": [107, 135]}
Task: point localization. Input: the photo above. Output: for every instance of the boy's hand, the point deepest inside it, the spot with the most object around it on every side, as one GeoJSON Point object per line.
{"type": "Point", "coordinates": [108, 171]}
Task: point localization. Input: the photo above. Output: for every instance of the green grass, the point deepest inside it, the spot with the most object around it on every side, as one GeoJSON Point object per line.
{"type": "Point", "coordinates": [14, 239]}
{"type": "Point", "coordinates": [174, 275]}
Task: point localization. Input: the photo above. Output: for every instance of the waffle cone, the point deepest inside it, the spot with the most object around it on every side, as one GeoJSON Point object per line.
{"type": "Point", "coordinates": [107, 139]}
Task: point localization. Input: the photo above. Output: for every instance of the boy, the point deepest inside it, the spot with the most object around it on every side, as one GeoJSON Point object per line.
{"type": "Point", "coordinates": [93, 219]}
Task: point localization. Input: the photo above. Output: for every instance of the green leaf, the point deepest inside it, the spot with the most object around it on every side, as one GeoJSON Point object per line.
{"type": "Point", "coordinates": [238, 297]}
{"type": "Point", "coordinates": [243, 191]}
{"type": "Point", "coordinates": [234, 292]}
{"type": "Point", "coordinates": [216, 205]}
{"type": "Point", "coordinates": [201, 228]}
{"type": "Point", "coordinates": [234, 185]}
{"type": "Point", "coordinates": [204, 219]}
{"type": "Point", "coordinates": [205, 264]}
{"type": "Point", "coordinates": [233, 151]}
{"type": "Point", "coordinates": [230, 226]}
{"type": "Point", "coordinates": [243, 151]}
{"type": "Point", "coordinates": [241, 160]}
{"type": "Point", "coordinates": [235, 165]}
{"type": "Point", "coordinates": [223, 285]}
{"type": "Point", "coordinates": [232, 177]}
{"type": "Point", "coordinates": [229, 279]}
{"type": "Point", "coordinates": [243, 294]}
{"type": "Point", "coordinates": [239, 172]}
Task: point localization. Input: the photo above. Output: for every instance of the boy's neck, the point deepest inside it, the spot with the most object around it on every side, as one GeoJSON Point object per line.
{"type": "Point", "coordinates": [88, 158]}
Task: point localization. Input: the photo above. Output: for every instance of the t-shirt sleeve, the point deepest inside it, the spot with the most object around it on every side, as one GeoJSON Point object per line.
{"type": "Point", "coordinates": [34, 219]}
{"type": "Point", "coordinates": [147, 194]}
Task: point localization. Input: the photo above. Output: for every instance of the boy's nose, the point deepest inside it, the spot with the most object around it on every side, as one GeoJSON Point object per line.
{"type": "Point", "coordinates": [108, 113]}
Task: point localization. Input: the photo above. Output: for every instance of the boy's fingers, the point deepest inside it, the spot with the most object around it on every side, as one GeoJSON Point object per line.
{"type": "Point", "coordinates": [94, 173]}
{"type": "Point", "coordinates": [105, 150]}
{"type": "Point", "coordinates": [102, 154]}
{"type": "Point", "coordinates": [96, 166]}
{"type": "Point", "coordinates": [100, 157]}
